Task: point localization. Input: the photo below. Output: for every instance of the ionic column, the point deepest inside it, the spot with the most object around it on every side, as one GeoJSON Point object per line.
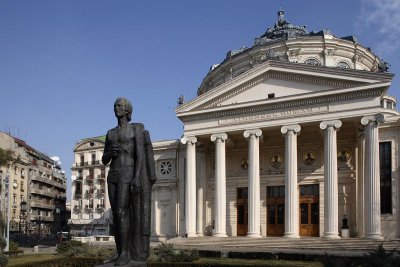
{"type": "Point", "coordinates": [200, 175]}
{"type": "Point", "coordinates": [331, 199]}
{"type": "Point", "coordinates": [220, 185]}
{"type": "Point", "coordinates": [291, 192]}
{"type": "Point", "coordinates": [372, 196]}
{"type": "Point", "coordinates": [190, 185]}
{"type": "Point", "coordinates": [254, 182]}
{"type": "Point", "coordinates": [360, 185]}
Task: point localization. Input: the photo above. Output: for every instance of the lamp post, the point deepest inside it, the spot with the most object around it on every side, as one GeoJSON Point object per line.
{"type": "Point", "coordinates": [40, 226]}
{"type": "Point", "coordinates": [22, 211]}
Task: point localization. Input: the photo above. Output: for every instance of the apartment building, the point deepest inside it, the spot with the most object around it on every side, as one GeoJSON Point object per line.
{"type": "Point", "coordinates": [33, 189]}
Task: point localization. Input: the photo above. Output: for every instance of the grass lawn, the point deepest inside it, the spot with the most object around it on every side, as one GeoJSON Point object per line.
{"type": "Point", "coordinates": [246, 262]}
{"type": "Point", "coordinates": [211, 261]}
{"type": "Point", "coordinates": [31, 258]}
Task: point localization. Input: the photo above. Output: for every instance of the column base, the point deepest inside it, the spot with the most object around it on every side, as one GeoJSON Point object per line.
{"type": "Point", "coordinates": [331, 235]}
{"type": "Point", "coordinates": [377, 236]}
{"type": "Point", "coordinates": [291, 235]}
{"type": "Point", "coordinates": [191, 234]}
{"type": "Point", "coordinates": [253, 235]}
{"type": "Point", "coordinates": [219, 235]}
{"type": "Point", "coordinates": [200, 234]}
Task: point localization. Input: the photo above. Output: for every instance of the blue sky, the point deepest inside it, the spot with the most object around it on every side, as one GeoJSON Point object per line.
{"type": "Point", "coordinates": [63, 63]}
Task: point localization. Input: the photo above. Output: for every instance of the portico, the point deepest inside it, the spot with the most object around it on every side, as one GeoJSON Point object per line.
{"type": "Point", "coordinates": [288, 141]}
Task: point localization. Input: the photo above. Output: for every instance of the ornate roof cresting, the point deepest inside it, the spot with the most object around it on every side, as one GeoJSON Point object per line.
{"type": "Point", "coordinates": [281, 30]}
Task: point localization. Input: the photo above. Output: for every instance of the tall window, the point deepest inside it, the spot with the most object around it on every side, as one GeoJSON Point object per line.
{"type": "Point", "coordinates": [385, 161]}
{"type": "Point", "coordinates": [93, 159]}
{"type": "Point", "coordinates": [82, 160]}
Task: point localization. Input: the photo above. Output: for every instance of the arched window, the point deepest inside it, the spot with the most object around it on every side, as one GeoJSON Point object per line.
{"type": "Point", "coordinates": [343, 65]}
{"type": "Point", "coordinates": [312, 61]}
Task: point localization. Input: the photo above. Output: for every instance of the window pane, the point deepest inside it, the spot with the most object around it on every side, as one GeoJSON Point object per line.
{"type": "Point", "coordinates": [314, 213]}
{"type": "Point", "coordinates": [304, 213]}
{"type": "Point", "coordinates": [281, 213]}
{"type": "Point", "coordinates": [385, 161]}
{"type": "Point", "coordinates": [271, 214]}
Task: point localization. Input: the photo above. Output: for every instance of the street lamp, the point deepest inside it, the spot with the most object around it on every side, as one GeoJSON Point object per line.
{"type": "Point", "coordinates": [40, 226]}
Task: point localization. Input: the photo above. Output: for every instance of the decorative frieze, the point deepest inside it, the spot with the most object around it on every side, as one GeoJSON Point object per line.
{"type": "Point", "coordinates": [285, 105]}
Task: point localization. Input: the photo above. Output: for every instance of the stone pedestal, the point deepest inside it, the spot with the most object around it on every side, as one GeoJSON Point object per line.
{"type": "Point", "coordinates": [344, 233]}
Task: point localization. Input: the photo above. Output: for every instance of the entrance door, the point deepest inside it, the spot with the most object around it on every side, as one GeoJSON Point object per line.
{"type": "Point", "coordinates": [275, 210]}
{"type": "Point", "coordinates": [309, 210]}
{"type": "Point", "coordinates": [242, 211]}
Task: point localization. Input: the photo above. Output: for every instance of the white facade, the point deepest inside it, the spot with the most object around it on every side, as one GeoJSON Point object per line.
{"type": "Point", "coordinates": [286, 138]}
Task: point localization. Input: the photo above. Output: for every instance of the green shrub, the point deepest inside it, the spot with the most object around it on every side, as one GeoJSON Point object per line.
{"type": "Point", "coordinates": [63, 262]}
{"type": "Point", "coordinates": [167, 253]}
{"type": "Point", "coordinates": [75, 248]}
{"type": "Point", "coordinates": [13, 246]}
{"type": "Point", "coordinates": [3, 260]}
{"type": "Point", "coordinates": [3, 243]}
{"type": "Point", "coordinates": [382, 257]}
{"type": "Point", "coordinates": [71, 248]}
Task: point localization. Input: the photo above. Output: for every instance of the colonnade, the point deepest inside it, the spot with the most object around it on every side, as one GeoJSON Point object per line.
{"type": "Point", "coordinates": [372, 227]}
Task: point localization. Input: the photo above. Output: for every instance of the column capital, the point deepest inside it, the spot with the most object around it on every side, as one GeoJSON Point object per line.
{"type": "Point", "coordinates": [222, 136]}
{"type": "Point", "coordinates": [378, 118]}
{"type": "Point", "coordinates": [189, 139]}
{"type": "Point", "coordinates": [287, 128]}
{"type": "Point", "coordinates": [335, 123]}
{"type": "Point", "coordinates": [256, 132]}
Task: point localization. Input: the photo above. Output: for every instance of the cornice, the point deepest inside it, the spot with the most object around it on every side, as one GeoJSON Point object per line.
{"type": "Point", "coordinates": [85, 146]}
{"type": "Point", "coordinates": [285, 105]}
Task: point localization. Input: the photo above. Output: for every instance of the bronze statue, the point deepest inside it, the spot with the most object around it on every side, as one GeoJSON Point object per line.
{"type": "Point", "coordinates": [132, 173]}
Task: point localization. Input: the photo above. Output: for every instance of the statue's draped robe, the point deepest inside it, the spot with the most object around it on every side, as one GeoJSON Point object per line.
{"type": "Point", "coordinates": [140, 200]}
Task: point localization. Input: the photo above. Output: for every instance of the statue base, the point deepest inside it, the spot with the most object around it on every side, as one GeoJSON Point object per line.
{"type": "Point", "coordinates": [130, 264]}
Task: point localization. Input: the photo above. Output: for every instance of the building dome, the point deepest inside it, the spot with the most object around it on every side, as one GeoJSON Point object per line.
{"type": "Point", "coordinates": [287, 42]}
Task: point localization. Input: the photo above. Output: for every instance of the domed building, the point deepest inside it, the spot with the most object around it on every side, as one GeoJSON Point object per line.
{"type": "Point", "coordinates": [294, 136]}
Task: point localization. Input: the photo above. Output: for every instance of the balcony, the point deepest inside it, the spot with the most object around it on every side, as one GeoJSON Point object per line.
{"type": "Point", "coordinates": [48, 181]}
{"type": "Point", "coordinates": [101, 178]}
{"type": "Point", "coordinates": [89, 193]}
{"type": "Point", "coordinates": [37, 204]}
{"type": "Point", "coordinates": [78, 208]}
{"type": "Point", "coordinates": [88, 208]}
{"type": "Point", "coordinates": [100, 193]}
{"type": "Point", "coordinates": [43, 192]}
{"type": "Point", "coordinates": [95, 162]}
{"type": "Point", "coordinates": [100, 208]}
{"type": "Point", "coordinates": [78, 194]}
{"type": "Point", "coordinates": [89, 178]}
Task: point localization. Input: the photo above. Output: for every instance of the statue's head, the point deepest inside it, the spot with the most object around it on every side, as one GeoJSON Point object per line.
{"type": "Point", "coordinates": [122, 107]}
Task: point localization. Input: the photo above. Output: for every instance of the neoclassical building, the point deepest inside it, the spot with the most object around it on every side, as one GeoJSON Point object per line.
{"type": "Point", "coordinates": [294, 136]}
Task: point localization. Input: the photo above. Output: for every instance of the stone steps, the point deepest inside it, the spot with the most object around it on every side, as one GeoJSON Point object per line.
{"type": "Point", "coordinates": [357, 246]}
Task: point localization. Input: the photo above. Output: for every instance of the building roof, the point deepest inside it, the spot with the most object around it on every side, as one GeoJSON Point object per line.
{"type": "Point", "coordinates": [287, 42]}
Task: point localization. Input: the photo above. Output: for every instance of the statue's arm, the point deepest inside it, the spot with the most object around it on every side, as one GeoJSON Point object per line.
{"type": "Point", "coordinates": [106, 158]}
